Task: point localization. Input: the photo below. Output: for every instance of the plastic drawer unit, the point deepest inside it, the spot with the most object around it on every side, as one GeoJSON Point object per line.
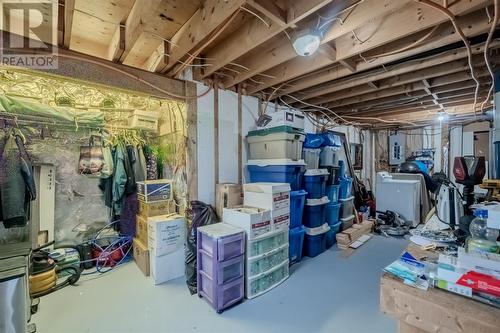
{"type": "Point", "coordinates": [266, 281]}
{"type": "Point", "coordinates": [266, 243]}
{"type": "Point", "coordinates": [264, 262]}
{"type": "Point", "coordinates": [220, 264]}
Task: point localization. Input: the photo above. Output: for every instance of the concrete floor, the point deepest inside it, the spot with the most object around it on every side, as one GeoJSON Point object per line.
{"type": "Point", "coordinates": [329, 293]}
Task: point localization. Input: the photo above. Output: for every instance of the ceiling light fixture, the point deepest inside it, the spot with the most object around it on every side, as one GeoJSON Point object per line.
{"type": "Point", "coordinates": [307, 42]}
{"type": "Point", "coordinates": [442, 116]}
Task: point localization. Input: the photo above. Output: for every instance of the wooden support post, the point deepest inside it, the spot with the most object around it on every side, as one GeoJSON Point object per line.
{"type": "Point", "coordinates": [192, 139]}
{"type": "Point", "coordinates": [240, 137]}
{"type": "Point", "coordinates": [216, 136]}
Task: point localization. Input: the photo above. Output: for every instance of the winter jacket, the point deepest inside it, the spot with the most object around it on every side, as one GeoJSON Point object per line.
{"type": "Point", "coordinates": [17, 185]}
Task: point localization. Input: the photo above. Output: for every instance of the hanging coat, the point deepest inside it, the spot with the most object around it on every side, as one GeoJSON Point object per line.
{"type": "Point", "coordinates": [17, 185]}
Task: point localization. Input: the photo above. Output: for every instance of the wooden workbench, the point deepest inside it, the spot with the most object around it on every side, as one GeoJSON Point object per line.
{"type": "Point", "coordinates": [435, 310]}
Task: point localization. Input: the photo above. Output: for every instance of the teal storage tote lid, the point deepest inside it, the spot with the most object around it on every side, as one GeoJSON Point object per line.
{"type": "Point", "coordinates": [279, 129]}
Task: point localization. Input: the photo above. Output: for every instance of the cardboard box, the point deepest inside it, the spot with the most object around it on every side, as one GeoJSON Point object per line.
{"type": "Point", "coordinates": [493, 220]}
{"type": "Point", "coordinates": [255, 221]}
{"type": "Point", "coordinates": [154, 190]}
{"type": "Point", "coordinates": [228, 196]}
{"type": "Point", "coordinates": [166, 234]}
{"type": "Point", "coordinates": [280, 219]}
{"type": "Point", "coordinates": [267, 195]}
{"type": "Point", "coordinates": [141, 256]}
{"type": "Point", "coordinates": [479, 261]}
{"type": "Point", "coordinates": [167, 267]}
{"type": "Point", "coordinates": [141, 229]}
{"type": "Point", "coordinates": [156, 208]}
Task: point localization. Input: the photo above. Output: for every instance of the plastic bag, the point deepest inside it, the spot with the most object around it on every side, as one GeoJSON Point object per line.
{"type": "Point", "coordinates": [330, 139]}
{"type": "Point", "coordinates": [202, 214]}
{"type": "Point", "coordinates": [313, 140]}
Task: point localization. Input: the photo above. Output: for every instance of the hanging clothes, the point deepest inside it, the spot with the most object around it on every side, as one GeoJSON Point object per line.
{"type": "Point", "coordinates": [143, 168]}
{"type": "Point", "coordinates": [151, 165]}
{"type": "Point", "coordinates": [17, 184]}
{"type": "Point", "coordinates": [135, 161]}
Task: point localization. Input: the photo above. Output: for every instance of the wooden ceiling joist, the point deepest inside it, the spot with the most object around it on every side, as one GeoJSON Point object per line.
{"type": "Point", "coordinates": [281, 50]}
{"type": "Point", "coordinates": [201, 25]}
{"type": "Point", "coordinates": [255, 32]}
{"type": "Point", "coordinates": [270, 10]}
{"type": "Point", "coordinates": [66, 11]}
{"type": "Point", "coordinates": [392, 28]}
{"type": "Point", "coordinates": [141, 12]}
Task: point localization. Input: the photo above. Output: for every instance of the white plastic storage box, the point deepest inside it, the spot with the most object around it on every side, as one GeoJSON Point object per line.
{"type": "Point", "coordinates": [255, 221]}
{"type": "Point", "coordinates": [266, 243]}
{"type": "Point", "coordinates": [311, 157]}
{"type": "Point", "coordinates": [166, 234]}
{"type": "Point", "coordinates": [167, 267]}
{"type": "Point", "coordinates": [272, 196]}
{"type": "Point", "coordinates": [291, 118]}
{"type": "Point", "coordinates": [264, 282]}
{"type": "Point", "coordinates": [280, 219]}
{"type": "Point", "coordinates": [329, 157]}
{"type": "Point", "coordinates": [144, 120]}
{"type": "Point", "coordinates": [155, 190]}
{"type": "Point", "coordinates": [278, 142]}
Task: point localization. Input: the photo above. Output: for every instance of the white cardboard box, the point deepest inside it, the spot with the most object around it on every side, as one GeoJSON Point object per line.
{"type": "Point", "coordinates": [255, 221]}
{"type": "Point", "coordinates": [166, 234]}
{"type": "Point", "coordinates": [493, 220]}
{"type": "Point", "coordinates": [267, 195]}
{"type": "Point", "coordinates": [167, 267]}
{"type": "Point", "coordinates": [280, 219]}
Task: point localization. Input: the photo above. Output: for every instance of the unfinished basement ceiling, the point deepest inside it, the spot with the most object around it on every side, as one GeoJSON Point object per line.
{"type": "Point", "coordinates": [391, 59]}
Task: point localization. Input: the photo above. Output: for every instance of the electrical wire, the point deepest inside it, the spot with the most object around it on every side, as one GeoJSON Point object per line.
{"type": "Point", "coordinates": [135, 77]}
{"type": "Point", "coordinates": [256, 15]}
{"type": "Point", "coordinates": [459, 31]}
{"type": "Point", "coordinates": [494, 23]}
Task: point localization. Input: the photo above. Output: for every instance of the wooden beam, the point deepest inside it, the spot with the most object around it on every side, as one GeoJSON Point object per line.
{"type": "Point", "coordinates": [400, 90]}
{"type": "Point", "coordinates": [360, 91]}
{"type": "Point", "coordinates": [392, 28]}
{"type": "Point", "coordinates": [280, 50]}
{"type": "Point", "coordinates": [141, 13]}
{"type": "Point", "coordinates": [372, 85]}
{"type": "Point", "coordinates": [350, 64]}
{"type": "Point", "coordinates": [117, 45]}
{"type": "Point", "coordinates": [254, 33]}
{"type": "Point", "coordinates": [69, 10]}
{"type": "Point", "coordinates": [271, 10]}
{"type": "Point", "coordinates": [158, 58]}
{"type": "Point", "coordinates": [203, 23]}
{"type": "Point", "coordinates": [328, 51]}
{"type": "Point", "coordinates": [398, 76]}
{"type": "Point", "coordinates": [192, 142]}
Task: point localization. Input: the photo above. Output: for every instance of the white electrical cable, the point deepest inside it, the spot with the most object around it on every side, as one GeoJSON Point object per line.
{"type": "Point", "coordinates": [459, 31]}
{"type": "Point", "coordinates": [486, 49]}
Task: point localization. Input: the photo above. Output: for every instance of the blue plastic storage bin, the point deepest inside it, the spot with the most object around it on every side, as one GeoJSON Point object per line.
{"type": "Point", "coordinates": [315, 241]}
{"type": "Point", "coordinates": [315, 212]}
{"type": "Point", "coordinates": [315, 183]}
{"type": "Point", "coordinates": [345, 188]}
{"type": "Point", "coordinates": [266, 171]}
{"type": "Point", "coordinates": [331, 235]}
{"type": "Point", "coordinates": [332, 213]}
{"type": "Point", "coordinates": [332, 192]}
{"type": "Point", "coordinates": [296, 241]}
{"type": "Point", "coordinates": [297, 202]}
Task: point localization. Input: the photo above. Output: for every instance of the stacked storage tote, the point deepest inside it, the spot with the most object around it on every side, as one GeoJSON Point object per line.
{"type": "Point", "coordinates": [275, 157]}
{"type": "Point", "coordinates": [220, 264]}
{"type": "Point", "coordinates": [314, 219]}
{"type": "Point", "coordinates": [266, 258]}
